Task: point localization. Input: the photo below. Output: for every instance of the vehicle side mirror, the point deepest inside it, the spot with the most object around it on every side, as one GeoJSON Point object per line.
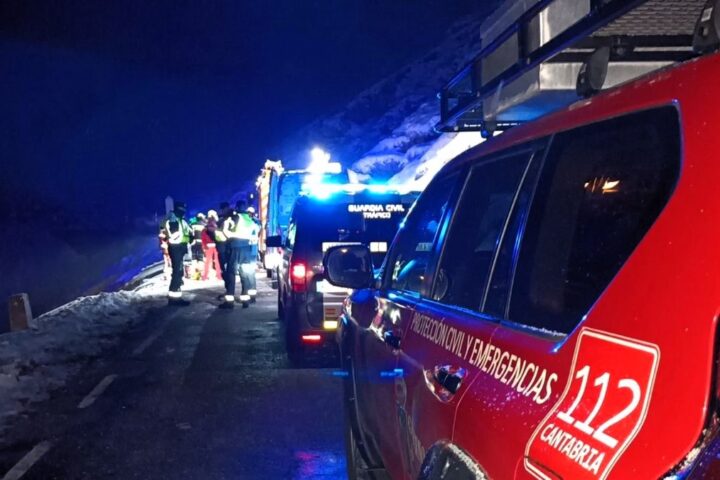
{"type": "Point", "coordinates": [349, 266]}
{"type": "Point", "coordinates": [593, 73]}
{"type": "Point", "coordinates": [274, 241]}
{"type": "Point", "coordinates": [707, 31]}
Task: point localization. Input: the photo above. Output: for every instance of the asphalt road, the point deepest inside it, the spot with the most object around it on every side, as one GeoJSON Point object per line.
{"type": "Point", "coordinates": [190, 393]}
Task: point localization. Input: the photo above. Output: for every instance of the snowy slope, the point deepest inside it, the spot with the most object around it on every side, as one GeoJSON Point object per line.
{"type": "Point", "coordinates": [35, 362]}
{"type": "Point", "coordinates": [55, 266]}
{"type": "Point", "coordinates": [387, 130]}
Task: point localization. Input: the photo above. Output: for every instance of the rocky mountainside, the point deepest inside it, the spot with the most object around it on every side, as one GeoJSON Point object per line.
{"type": "Point", "coordinates": [386, 132]}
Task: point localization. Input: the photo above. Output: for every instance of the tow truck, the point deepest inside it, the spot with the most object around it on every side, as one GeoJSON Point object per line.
{"type": "Point", "coordinates": [549, 307]}
{"type": "Point", "coordinates": [267, 184]}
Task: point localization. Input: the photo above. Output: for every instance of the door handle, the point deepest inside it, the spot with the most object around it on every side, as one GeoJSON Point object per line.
{"type": "Point", "coordinates": [449, 378]}
{"type": "Point", "coordinates": [392, 339]}
{"type": "Point", "coordinates": [444, 381]}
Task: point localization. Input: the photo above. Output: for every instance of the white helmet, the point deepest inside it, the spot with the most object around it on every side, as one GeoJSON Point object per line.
{"type": "Point", "coordinates": [213, 214]}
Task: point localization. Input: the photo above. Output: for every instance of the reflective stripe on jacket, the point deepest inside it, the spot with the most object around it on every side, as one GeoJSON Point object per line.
{"type": "Point", "coordinates": [178, 231]}
{"type": "Point", "coordinates": [240, 226]}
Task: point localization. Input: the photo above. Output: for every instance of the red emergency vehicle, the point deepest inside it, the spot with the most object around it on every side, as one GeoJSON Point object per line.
{"type": "Point", "coordinates": [549, 308]}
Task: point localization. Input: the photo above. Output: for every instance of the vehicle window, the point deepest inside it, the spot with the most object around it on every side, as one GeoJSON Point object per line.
{"type": "Point", "coordinates": [502, 272]}
{"type": "Point", "coordinates": [291, 235]}
{"type": "Point", "coordinates": [476, 231]}
{"type": "Point", "coordinates": [601, 189]}
{"type": "Point", "coordinates": [292, 183]}
{"type": "Point", "coordinates": [411, 253]}
{"type": "Point", "coordinates": [326, 223]}
{"type": "Point", "coordinates": [288, 191]}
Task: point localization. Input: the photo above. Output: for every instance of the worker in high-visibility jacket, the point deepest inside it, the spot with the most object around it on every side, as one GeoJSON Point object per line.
{"type": "Point", "coordinates": [250, 259]}
{"type": "Point", "coordinates": [178, 232]}
{"type": "Point", "coordinates": [240, 230]}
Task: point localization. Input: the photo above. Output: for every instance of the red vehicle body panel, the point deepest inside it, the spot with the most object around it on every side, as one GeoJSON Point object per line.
{"type": "Point", "coordinates": [647, 343]}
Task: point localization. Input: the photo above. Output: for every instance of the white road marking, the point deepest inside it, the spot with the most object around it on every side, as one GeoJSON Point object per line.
{"type": "Point", "coordinates": [28, 461]}
{"type": "Point", "coordinates": [155, 335]}
{"type": "Point", "coordinates": [97, 391]}
{"type": "Point", "coordinates": [147, 342]}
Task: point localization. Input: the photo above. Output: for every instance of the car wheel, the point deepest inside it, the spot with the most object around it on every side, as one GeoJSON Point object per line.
{"type": "Point", "coordinates": [294, 350]}
{"type": "Point", "coordinates": [356, 466]}
{"type": "Point", "coordinates": [356, 463]}
{"type": "Point", "coordinates": [292, 343]}
{"type": "Point", "coordinates": [275, 282]}
{"type": "Point", "coordinates": [280, 306]}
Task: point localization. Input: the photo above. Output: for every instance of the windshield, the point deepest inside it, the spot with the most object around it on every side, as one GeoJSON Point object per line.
{"type": "Point", "coordinates": [373, 224]}
{"type": "Point", "coordinates": [289, 189]}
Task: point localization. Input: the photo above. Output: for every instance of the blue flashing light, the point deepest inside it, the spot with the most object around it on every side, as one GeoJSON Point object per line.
{"type": "Point", "coordinates": [319, 160]}
{"type": "Point", "coordinates": [321, 189]}
{"type": "Point", "coordinates": [353, 188]}
{"type": "Point", "coordinates": [379, 188]}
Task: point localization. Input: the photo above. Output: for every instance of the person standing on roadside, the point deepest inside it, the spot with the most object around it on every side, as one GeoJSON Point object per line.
{"type": "Point", "coordinates": [250, 258]}
{"type": "Point", "coordinates": [220, 239]}
{"type": "Point", "coordinates": [163, 238]}
{"type": "Point", "coordinates": [209, 246]}
{"type": "Point", "coordinates": [239, 230]}
{"type": "Point", "coordinates": [178, 235]}
{"type": "Point", "coordinates": [197, 224]}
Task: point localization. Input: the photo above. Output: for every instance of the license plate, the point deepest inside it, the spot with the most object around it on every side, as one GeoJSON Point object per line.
{"type": "Point", "coordinates": [326, 287]}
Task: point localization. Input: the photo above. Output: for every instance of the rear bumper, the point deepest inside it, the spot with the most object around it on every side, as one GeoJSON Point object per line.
{"type": "Point", "coordinates": [313, 310]}
{"type": "Point", "coordinates": [317, 338]}
{"type": "Point", "coordinates": [302, 323]}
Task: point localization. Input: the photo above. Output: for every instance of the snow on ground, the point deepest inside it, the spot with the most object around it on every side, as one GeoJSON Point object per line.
{"type": "Point", "coordinates": [54, 266]}
{"type": "Point", "coordinates": [418, 173]}
{"type": "Point", "coordinates": [35, 362]}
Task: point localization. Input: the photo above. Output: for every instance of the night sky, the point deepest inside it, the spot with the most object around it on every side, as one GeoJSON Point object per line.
{"type": "Point", "coordinates": [107, 107]}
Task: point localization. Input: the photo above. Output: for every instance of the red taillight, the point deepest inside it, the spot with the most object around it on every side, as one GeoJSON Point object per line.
{"type": "Point", "coordinates": [298, 271]}
{"type": "Point", "coordinates": [298, 277]}
{"type": "Point", "coordinates": [311, 338]}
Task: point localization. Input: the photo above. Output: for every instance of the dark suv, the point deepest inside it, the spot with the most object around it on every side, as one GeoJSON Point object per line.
{"type": "Point", "coordinates": [308, 304]}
